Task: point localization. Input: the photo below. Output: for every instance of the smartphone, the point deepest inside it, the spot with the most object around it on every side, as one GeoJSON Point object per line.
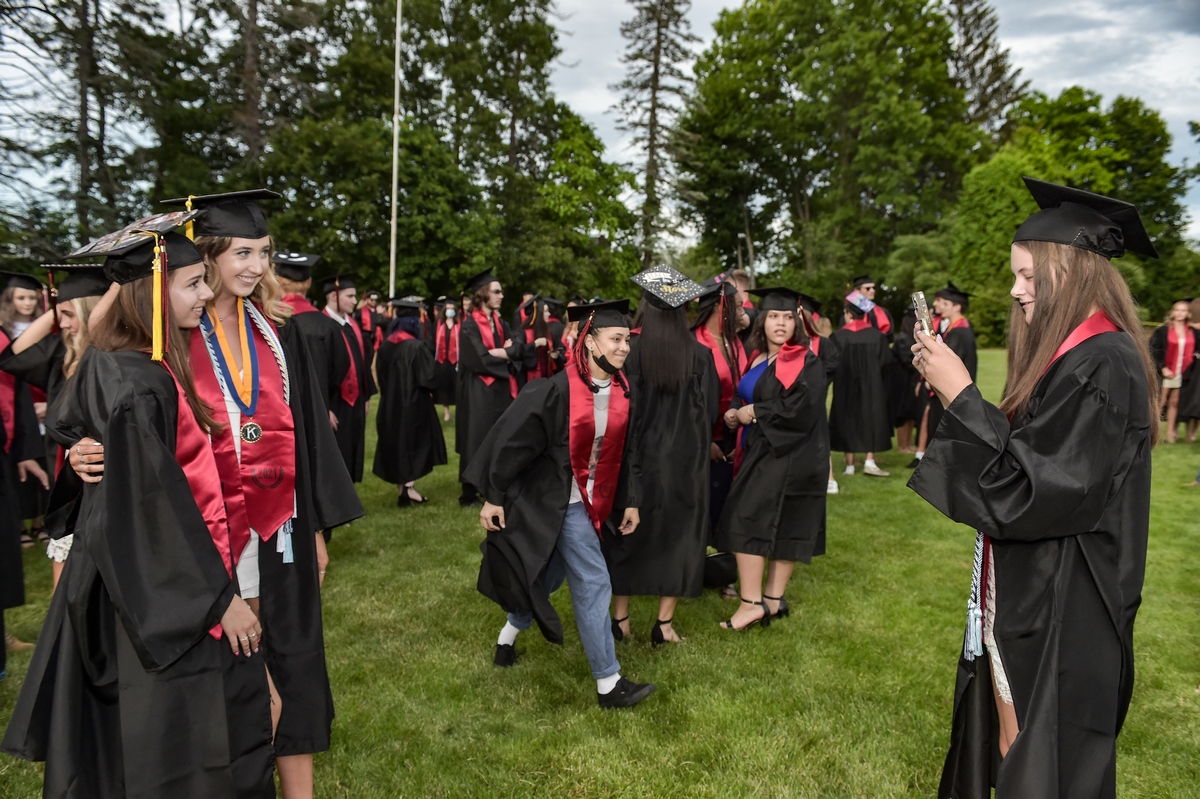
{"type": "Point", "coordinates": [918, 298]}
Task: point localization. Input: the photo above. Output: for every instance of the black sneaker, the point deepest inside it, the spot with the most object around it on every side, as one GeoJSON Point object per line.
{"type": "Point", "coordinates": [626, 694]}
{"type": "Point", "coordinates": [506, 655]}
{"type": "Point", "coordinates": [914, 463]}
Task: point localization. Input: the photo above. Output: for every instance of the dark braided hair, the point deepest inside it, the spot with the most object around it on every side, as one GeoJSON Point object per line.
{"type": "Point", "coordinates": [579, 358]}
{"type": "Point", "coordinates": [729, 332]}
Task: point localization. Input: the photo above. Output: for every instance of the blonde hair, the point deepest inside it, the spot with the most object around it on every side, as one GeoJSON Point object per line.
{"type": "Point", "coordinates": [77, 344]}
{"type": "Point", "coordinates": [267, 294]}
{"type": "Point", "coordinates": [1069, 282]}
{"type": "Point", "coordinates": [1168, 320]}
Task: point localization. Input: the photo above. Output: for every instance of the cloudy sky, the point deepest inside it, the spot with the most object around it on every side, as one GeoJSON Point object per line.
{"type": "Point", "coordinates": [1144, 48]}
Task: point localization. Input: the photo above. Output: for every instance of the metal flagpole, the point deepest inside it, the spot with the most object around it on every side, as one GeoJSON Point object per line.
{"type": "Point", "coordinates": [395, 156]}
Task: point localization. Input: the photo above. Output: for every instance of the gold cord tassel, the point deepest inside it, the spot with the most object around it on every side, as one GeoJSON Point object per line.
{"type": "Point", "coordinates": [190, 229]}
{"type": "Point", "coordinates": [156, 353]}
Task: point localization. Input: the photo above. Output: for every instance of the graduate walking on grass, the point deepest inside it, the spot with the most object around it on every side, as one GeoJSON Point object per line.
{"type": "Point", "coordinates": [1057, 482]}
{"type": "Point", "coordinates": [350, 404]}
{"type": "Point", "coordinates": [557, 471]}
{"type": "Point", "coordinates": [951, 304]}
{"type": "Point", "coordinates": [858, 417]}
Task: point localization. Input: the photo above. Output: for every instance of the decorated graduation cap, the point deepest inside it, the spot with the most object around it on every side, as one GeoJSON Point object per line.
{"type": "Point", "coordinates": [147, 248]}
{"type": "Point", "coordinates": [953, 294]}
{"type": "Point", "coordinates": [778, 298]}
{"type": "Point", "coordinates": [20, 280]}
{"type": "Point", "coordinates": [295, 266]}
{"type": "Point", "coordinates": [609, 313]}
{"type": "Point", "coordinates": [667, 288]}
{"type": "Point", "coordinates": [484, 278]}
{"type": "Point", "coordinates": [861, 280]}
{"type": "Point", "coordinates": [714, 293]}
{"type": "Point", "coordinates": [337, 283]}
{"type": "Point", "coordinates": [1078, 218]}
{"type": "Point", "coordinates": [232, 213]}
{"type": "Point", "coordinates": [859, 300]}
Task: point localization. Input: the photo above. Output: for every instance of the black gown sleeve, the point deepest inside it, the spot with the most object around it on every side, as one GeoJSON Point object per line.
{"type": "Point", "coordinates": [521, 435]}
{"type": "Point", "coordinates": [28, 443]}
{"type": "Point", "coordinates": [35, 364]}
{"type": "Point", "coordinates": [1047, 478]}
{"type": "Point", "coordinates": [780, 413]}
{"type": "Point", "coordinates": [473, 357]}
{"type": "Point", "coordinates": [1158, 347]}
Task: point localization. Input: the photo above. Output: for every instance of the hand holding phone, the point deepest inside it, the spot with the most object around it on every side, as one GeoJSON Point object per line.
{"type": "Point", "coordinates": [918, 298]}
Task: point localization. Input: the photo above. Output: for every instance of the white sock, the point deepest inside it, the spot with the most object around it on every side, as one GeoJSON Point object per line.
{"type": "Point", "coordinates": [870, 461]}
{"type": "Point", "coordinates": [508, 635]}
{"type": "Point", "coordinates": [920, 455]}
{"type": "Point", "coordinates": [607, 684]}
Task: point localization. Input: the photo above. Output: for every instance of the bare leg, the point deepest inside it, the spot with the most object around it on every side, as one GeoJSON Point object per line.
{"type": "Point", "coordinates": [295, 776]}
{"type": "Point", "coordinates": [779, 572]}
{"type": "Point", "coordinates": [1191, 430]}
{"type": "Point", "coordinates": [849, 456]}
{"type": "Point", "coordinates": [276, 704]}
{"type": "Point", "coordinates": [923, 436]}
{"type": "Point", "coordinates": [870, 456]}
{"type": "Point", "coordinates": [1008, 720]}
{"type": "Point", "coordinates": [1172, 415]}
{"type": "Point", "coordinates": [750, 581]}
{"type": "Point", "coordinates": [56, 570]}
{"type": "Point", "coordinates": [904, 437]}
{"type": "Point", "coordinates": [666, 610]}
{"type": "Point", "coordinates": [446, 412]}
{"type": "Point", "coordinates": [621, 611]}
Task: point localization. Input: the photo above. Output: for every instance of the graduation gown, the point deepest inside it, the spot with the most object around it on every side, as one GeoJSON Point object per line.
{"type": "Point", "coordinates": [352, 418]}
{"type": "Point", "coordinates": [326, 349]}
{"type": "Point", "coordinates": [665, 557]}
{"type": "Point", "coordinates": [447, 370]}
{"type": "Point", "coordinates": [858, 417]}
{"type": "Point", "coordinates": [907, 398]}
{"type": "Point", "coordinates": [524, 465]}
{"type": "Point", "coordinates": [410, 435]}
{"type": "Point", "coordinates": [127, 693]}
{"type": "Point", "coordinates": [26, 445]}
{"type": "Point", "coordinates": [480, 405]}
{"type": "Point", "coordinates": [962, 341]}
{"type": "Point", "coordinates": [776, 507]}
{"type": "Point", "coordinates": [1064, 493]}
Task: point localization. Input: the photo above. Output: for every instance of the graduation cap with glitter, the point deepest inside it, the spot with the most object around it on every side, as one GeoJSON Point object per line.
{"type": "Point", "coordinates": [295, 266]}
{"type": "Point", "coordinates": [1078, 218]}
{"type": "Point", "coordinates": [147, 248]}
{"type": "Point", "coordinates": [667, 288]}
{"type": "Point", "coordinates": [232, 213]}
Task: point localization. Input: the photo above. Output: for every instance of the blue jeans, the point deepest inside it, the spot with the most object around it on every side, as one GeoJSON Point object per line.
{"type": "Point", "coordinates": [577, 557]}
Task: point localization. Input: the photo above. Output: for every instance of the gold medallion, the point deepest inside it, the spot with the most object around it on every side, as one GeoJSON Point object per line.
{"type": "Point", "coordinates": [251, 432]}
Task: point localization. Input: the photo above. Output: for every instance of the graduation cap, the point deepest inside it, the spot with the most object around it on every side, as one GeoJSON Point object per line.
{"type": "Point", "coordinates": [713, 293]}
{"type": "Point", "coordinates": [1078, 218]}
{"type": "Point", "coordinates": [577, 299]}
{"type": "Point", "coordinates": [484, 278]}
{"type": "Point", "coordinates": [778, 298]}
{"type": "Point", "coordinates": [442, 299]}
{"type": "Point", "coordinates": [953, 294]}
{"type": "Point", "coordinates": [81, 281]}
{"type": "Point", "coordinates": [810, 303]}
{"type": "Point", "coordinates": [416, 299]}
{"type": "Point", "coordinates": [859, 301]}
{"type": "Point", "coordinates": [600, 314]}
{"type": "Point", "coordinates": [373, 293]}
{"type": "Point", "coordinates": [860, 280]}
{"type": "Point", "coordinates": [232, 213]}
{"type": "Point", "coordinates": [337, 283]}
{"type": "Point", "coordinates": [405, 306]}
{"type": "Point", "coordinates": [667, 288]}
{"type": "Point", "coordinates": [20, 280]}
{"type": "Point", "coordinates": [295, 266]}
{"type": "Point", "coordinates": [715, 280]}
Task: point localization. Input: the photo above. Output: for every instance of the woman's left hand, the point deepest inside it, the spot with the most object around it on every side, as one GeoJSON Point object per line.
{"type": "Point", "coordinates": [745, 415]}
{"type": "Point", "coordinates": [630, 521]}
{"type": "Point", "coordinates": [941, 367]}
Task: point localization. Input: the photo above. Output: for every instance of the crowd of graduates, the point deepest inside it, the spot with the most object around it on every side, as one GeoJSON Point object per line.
{"type": "Point", "coordinates": [184, 428]}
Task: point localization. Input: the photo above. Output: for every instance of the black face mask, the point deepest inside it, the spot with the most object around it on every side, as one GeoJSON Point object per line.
{"type": "Point", "coordinates": [603, 363]}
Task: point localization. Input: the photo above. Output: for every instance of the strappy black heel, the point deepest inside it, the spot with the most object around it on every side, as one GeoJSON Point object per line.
{"type": "Point", "coordinates": [618, 634]}
{"type": "Point", "coordinates": [783, 611]}
{"type": "Point", "coordinates": [765, 621]}
{"type": "Point", "coordinates": [656, 635]}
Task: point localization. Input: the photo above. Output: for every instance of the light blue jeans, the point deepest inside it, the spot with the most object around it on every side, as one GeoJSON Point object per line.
{"type": "Point", "coordinates": [578, 558]}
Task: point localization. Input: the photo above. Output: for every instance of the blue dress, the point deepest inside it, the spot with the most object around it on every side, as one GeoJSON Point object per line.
{"type": "Point", "coordinates": [745, 386]}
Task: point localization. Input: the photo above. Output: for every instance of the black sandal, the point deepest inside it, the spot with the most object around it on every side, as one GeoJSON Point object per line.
{"type": "Point", "coordinates": [764, 621]}
{"type": "Point", "coordinates": [783, 611]}
{"type": "Point", "coordinates": [618, 633]}
{"type": "Point", "coordinates": [423, 499]}
{"type": "Point", "coordinates": [656, 636]}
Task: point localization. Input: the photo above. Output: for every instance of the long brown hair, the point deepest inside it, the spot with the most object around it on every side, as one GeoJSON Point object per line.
{"type": "Point", "coordinates": [1068, 283]}
{"type": "Point", "coordinates": [268, 294]}
{"type": "Point", "coordinates": [757, 342]}
{"type": "Point", "coordinates": [126, 326]}
{"type": "Point", "coordinates": [77, 344]}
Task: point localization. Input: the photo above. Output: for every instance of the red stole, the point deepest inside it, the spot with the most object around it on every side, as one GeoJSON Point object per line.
{"type": "Point", "coordinates": [814, 344]}
{"type": "Point", "coordinates": [196, 458]}
{"type": "Point", "coordinates": [543, 366]}
{"type": "Point", "coordinates": [399, 336]}
{"type": "Point", "coordinates": [789, 363]}
{"type": "Point", "coordinates": [490, 343]}
{"type": "Point", "coordinates": [957, 324]}
{"type": "Point", "coordinates": [856, 325]}
{"type": "Point", "coordinates": [1173, 343]}
{"type": "Point", "coordinates": [349, 387]}
{"type": "Point", "coordinates": [881, 320]}
{"type": "Point", "coordinates": [582, 436]}
{"type": "Point", "coordinates": [300, 304]}
{"type": "Point", "coordinates": [260, 489]}
{"type": "Point", "coordinates": [8, 399]}
{"type": "Point", "coordinates": [446, 345]}
{"type": "Point", "coordinates": [724, 374]}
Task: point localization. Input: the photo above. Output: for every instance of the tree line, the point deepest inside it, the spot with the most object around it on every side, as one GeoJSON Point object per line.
{"type": "Point", "coordinates": [812, 140]}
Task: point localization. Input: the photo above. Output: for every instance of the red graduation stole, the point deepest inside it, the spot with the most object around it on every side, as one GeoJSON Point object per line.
{"type": "Point", "coordinates": [490, 343]}
{"type": "Point", "coordinates": [1189, 348]}
{"type": "Point", "coordinates": [447, 345]}
{"type": "Point", "coordinates": [196, 458]}
{"type": "Point", "coordinates": [582, 436]}
{"type": "Point", "coordinates": [728, 378]}
{"type": "Point", "coordinates": [881, 320]}
{"type": "Point", "coordinates": [8, 399]}
{"type": "Point", "coordinates": [399, 336]}
{"type": "Point", "coordinates": [300, 304]}
{"type": "Point", "coordinates": [789, 363]}
{"type": "Point", "coordinates": [855, 325]}
{"type": "Point", "coordinates": [960, 322]}
{"type": "Point", "coordinates": [260, 489]}
{"type": "Point", "coordinates": [349, 387]}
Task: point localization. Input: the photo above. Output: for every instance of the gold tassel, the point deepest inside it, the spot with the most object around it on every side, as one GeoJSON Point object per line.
{"type": "Point", "coordinates": [157, 331]}
{"type": "Point", "coordinates": [190, 230]}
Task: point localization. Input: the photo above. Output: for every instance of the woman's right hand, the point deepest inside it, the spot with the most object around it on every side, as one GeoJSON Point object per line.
{"type": "Point", "coordinates": [731, 419]}
{"type": "Point", "coordinates": [1166, 373]}
{"type": "Point", "coordinates": [87, 459]}
{"type": "Point", "coordinates": [715, 453]}
{"type": "Point", "coordinates": [241, 627]}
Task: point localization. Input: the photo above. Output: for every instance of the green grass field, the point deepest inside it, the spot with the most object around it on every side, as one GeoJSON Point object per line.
{"type": "Point", "coordinates": [850, 697]}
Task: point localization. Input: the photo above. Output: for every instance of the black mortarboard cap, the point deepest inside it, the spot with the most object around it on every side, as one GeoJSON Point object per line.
{"type": "Point", "coordinates": [525, 305]}
{"type": "Point", "coordinates": [666, 287]}
{"type": "Point", "coordinates": [416, 299]}
{"type": "Point", "coordinates": [858, 281]}
{"type": "Point", "coordinates": [405, 306]}
{"type": "Point", "coordinates": [712, 294]}
{"type": "Point", "coordinates": [810, 303]}
{"type": "Point", "coordinates": [81, 281]}
{"type": "Point", "coordinates": [603, 314]}
{"type": "Point", "coordinates": [295, 266]}
{"type": "Point", "coordinates": [20, 280]}
{"type": "Point", "coordinates": [233, 213]}
{"type": "Point", "coordinates": [953, 293]}
{"type": "Point", "coordinates": [778, 298]}
{"type": "Point", "coordinates": [577, 299]}
{"type": "Point", "coordinates": [478, 281]}
{"type": "Point", "coordinates": [442, 299]}
{"type": "Point", "coordinates": [337, 283]}
{"type": "Point", "coordinates": [1078, 218]}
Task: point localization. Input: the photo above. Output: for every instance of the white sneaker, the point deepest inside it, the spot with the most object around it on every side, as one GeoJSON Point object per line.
{"type": "Point", "coordinates": [849, 470]}
{"type": "Point", "coordinates": [833, 487]}
{"type": "Point", "coordinates": [874, 471]}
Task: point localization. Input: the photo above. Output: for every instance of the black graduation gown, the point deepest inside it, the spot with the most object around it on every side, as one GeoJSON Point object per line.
{"type": "Point", "coordinates": [290, 598]}
{"type": "Point", "coordinates": [524, 465]}
{"type": "Point", "coordinates": [776, 507]}
{"type": "Point", "coordinates": [410, 434]}
{"type": "Point", "coordinates": [127, 694]}
{"type": "Point", "coordinates": [962, 341]}
{"type": "Point", "coordinates": [26, 445]}
{"type": "Point", "coordinates": [1189, 394]}
{"type": "Point", "coordinates": [352, 419]}
{"type": "Point", "coordinates": [665, 557]}
{"type": "Point", "coordinates": [1064, 493]}
{"type": "Point", "coordinates": [858, 417]}
{"type": "Point", "coordinates": [447, 372]}
{"type": "Point", "coordinates": [479, 405]}
{"type": "Point", "coordinates": [907, 398]}
{"type": "Point", "coordinates": [327, 351]}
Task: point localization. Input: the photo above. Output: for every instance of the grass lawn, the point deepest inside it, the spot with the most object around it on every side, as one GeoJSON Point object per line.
{"type": "Point", "coordinates": [850, 697]}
